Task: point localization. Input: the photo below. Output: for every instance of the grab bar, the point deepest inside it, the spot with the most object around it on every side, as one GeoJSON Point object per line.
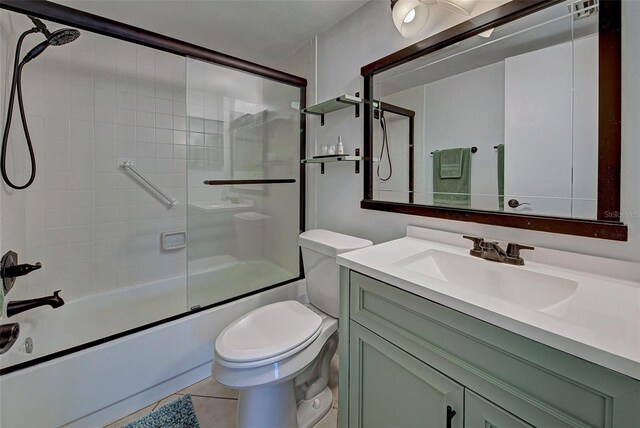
{"type": "Point", "coordinates": [128, 167]}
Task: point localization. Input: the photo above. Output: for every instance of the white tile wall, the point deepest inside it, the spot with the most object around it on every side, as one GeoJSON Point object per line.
{"type": "Point", "coordinates": [13, 220]}
{"type": "Point", "coordinates": [91, 105]}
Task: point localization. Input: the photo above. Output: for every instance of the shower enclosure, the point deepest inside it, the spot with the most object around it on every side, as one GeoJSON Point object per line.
{"type": "Point", "coordinates": [168, 182]}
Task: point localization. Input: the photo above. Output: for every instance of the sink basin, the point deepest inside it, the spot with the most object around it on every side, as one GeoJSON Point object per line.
{"type": "Point", "coordinates": [523, 287]}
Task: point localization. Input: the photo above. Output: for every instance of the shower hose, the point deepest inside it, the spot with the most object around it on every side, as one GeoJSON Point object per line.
{"type": "Point", "coordinates": [16, 86]}
{"type": "Point", "coordinates": [385, 145]}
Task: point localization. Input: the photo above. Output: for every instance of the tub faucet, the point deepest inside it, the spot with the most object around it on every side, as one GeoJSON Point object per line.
{"type": "Point", "coordinates": [17, 306]}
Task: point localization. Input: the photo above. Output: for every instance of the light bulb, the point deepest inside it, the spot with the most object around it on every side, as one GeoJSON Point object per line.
{"type": "Point", "coordinates": [410, 16]}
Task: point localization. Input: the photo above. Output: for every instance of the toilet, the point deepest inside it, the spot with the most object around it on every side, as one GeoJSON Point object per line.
{"type": "Point", "coordinates": [278, 355]}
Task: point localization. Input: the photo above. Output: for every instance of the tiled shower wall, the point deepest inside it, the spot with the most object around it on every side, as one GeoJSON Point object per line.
{"type": "Point", "coordinates": [91, 105]}
{"type": "Point", "coordinates": [12, 221]}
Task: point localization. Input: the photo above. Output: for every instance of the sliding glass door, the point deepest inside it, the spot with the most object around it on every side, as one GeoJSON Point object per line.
{"type": "Point", "coordinates": [243, 163]}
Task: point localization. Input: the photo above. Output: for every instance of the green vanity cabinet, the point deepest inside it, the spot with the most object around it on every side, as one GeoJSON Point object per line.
{"type": "Point", "coordinates": [408, 358]}
{"type": "Point", "coordinates": [481, 413]}
{"type": "Point", "coordinates": [394, 389]}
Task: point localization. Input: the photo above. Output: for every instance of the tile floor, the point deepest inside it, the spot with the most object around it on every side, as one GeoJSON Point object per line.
{"type": "Point", "coordinates": [215, 405]}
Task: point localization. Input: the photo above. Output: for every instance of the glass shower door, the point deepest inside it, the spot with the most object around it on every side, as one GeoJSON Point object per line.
{"type": "Point", "coordinates": [243, 141]}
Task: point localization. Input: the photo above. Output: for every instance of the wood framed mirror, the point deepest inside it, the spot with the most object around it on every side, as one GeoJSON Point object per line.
{"type": "Point", "coordinates": [515, 121]}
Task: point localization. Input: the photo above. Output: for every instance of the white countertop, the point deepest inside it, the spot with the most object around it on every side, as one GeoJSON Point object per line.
{"type": "Point", "coordinates": [600, 322]}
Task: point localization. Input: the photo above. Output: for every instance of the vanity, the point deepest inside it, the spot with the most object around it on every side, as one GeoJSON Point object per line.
{"type": "Point", "coordinates": [510, 119]}
{"type": "Point", "coordinates": [433, 337]}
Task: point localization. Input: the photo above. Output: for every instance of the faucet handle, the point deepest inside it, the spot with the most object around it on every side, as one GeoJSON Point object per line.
{"type": "Point", "coordinates": [476, 241]}
{"type": "Point", "coordinates": [513, 249]}
{"type": "Point", "coordinates": [477, 245]}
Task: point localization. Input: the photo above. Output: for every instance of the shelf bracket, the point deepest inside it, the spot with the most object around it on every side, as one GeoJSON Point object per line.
{"type": "Point", "coordinates": [322, 168]}
{"type": "Point", "coordinates": [357, 151]}
{"type": "Point", "coordinates": [358, 106]}
{"type": "Point", "coordinates": [322, 120]}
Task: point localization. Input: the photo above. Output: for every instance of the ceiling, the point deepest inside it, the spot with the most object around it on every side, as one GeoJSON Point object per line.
{"type": "Point", "coordinates": [263, 31]}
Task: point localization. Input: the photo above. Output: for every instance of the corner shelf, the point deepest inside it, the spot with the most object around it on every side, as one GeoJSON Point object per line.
{"type": "Point", "coordinates": [336, 158]}
{"type": "Point", "coordinates": [335, 104]}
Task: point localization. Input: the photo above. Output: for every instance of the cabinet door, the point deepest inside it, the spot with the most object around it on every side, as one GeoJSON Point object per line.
{"type": "Point", "coordinates": [391, 389]}
{"type": "Point", "coordinates": [480, 413]}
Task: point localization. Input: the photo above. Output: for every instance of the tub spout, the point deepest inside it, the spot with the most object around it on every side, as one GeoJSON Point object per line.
{"type": "Point", "coordinates": [15, 307]}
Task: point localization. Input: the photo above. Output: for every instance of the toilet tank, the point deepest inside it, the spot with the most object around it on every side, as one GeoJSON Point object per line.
{"type": "Point", "coordinates": [319, 250]}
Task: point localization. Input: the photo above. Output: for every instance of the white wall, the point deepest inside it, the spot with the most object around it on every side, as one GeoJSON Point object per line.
{"type": "Point", "coordinates": [538, 130]}
{"type": "Point", "coordinates": [551, 107]}
{"type": "Point", "coordinates": [367, 35]}
{"type": "Point", "coordinates": [466, 110]}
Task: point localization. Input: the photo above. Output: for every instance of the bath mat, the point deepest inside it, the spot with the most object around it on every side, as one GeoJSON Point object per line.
{"type": "Point", "coordinates": [177, 414]}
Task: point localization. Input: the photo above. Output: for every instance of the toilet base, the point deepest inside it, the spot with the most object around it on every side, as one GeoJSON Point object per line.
{"type": "Point", "coordinates": [274, 406]}
{"type": "Point", "coordinates": [310, 412]}
{"type": "Point", "coordinates": [268, 406]}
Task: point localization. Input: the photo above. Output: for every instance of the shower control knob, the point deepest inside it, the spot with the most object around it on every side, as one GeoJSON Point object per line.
{"type": "Point", "coordinates": [21, 270]}
{"type": "Point", "coordinates": [10, 269]}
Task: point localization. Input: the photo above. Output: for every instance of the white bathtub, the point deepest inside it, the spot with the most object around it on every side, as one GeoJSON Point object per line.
{"type": "Point", "coordinates": [96, 316]}
{"type": "Point", "coordinates": [100, 384]}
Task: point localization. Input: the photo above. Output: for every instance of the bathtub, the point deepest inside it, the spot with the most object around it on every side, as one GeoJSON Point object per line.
{"type": "Point", "coordinates": [94, 386]}
{"type": "Point", "coordinates": [94, 317]}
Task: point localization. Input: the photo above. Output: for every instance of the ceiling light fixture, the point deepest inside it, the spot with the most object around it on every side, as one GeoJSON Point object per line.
{"type": "Point", "coordinates": [410, 16]}
{"type": "Point", "coordinates": [464, 7]}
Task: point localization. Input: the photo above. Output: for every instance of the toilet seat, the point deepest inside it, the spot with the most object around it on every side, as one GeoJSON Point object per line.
{"type": "Point", "coordinates": [267, 334]}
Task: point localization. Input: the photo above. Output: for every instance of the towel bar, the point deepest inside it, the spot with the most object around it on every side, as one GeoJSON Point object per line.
{"type": "Point", "coordinates": [473, 150]}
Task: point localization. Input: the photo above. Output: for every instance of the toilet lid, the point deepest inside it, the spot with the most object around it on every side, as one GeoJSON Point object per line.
{"type": "Point", "coordinates": [267, 331]}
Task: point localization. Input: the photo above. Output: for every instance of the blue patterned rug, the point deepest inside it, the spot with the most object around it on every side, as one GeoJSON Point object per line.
{"type": "Point", "coordinates": [177, 414]}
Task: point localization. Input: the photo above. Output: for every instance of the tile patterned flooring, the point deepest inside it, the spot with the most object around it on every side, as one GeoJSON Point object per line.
{"type": "Point", "coordinates": [215, 405]}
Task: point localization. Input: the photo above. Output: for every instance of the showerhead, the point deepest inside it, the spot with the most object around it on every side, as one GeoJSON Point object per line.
{"type": "Point", "coordinates": [63, 36]}
{"type": "Point", "coordinates": [57, 38]}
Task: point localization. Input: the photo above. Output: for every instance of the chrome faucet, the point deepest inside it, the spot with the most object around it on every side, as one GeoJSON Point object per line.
{"type": "Point", "coordinates": [17, 306]}
{"type": "Point", "coordinates": [491, 250]}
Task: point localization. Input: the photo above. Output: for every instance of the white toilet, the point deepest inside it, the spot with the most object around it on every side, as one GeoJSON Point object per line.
{"type": "Point", "coordinates": [278, 355]}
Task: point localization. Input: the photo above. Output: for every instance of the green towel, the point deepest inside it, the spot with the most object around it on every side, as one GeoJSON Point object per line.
{"type": "Point", "coordinates": [500, 148]}
{"type": "Point", "coordinates": [451, 163]}
{"type": "Point", "coordinates": [447, 188]}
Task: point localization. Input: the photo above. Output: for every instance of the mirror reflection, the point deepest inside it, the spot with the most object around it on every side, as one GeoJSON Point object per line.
{"type": "Point", "coordinates": [503, 121]}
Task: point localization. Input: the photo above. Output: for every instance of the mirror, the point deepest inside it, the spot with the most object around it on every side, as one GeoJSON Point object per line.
{"type": "Point", "coordinates": [504, 120]}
